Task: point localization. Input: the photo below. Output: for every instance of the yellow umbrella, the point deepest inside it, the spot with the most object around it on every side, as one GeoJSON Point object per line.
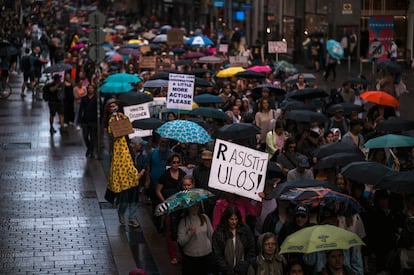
{"type": "Point", "coordinates": [135, 41]}
{"type": "Point", "coordinates": [230, 72]}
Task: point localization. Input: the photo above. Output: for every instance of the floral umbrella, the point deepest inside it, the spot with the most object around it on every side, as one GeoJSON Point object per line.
{"type": "Point", "coordinates": [184, 131]}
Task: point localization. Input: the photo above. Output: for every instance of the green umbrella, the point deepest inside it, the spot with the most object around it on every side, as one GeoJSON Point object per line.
{"type": "Point", "coordinates": [390, 141]}
{"type": "Point", "coordinates": [122, 77]}
{"type": "Point", "coordinates": [284, 66]}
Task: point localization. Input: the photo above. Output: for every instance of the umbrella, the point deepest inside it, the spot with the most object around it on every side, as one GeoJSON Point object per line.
{"type": "Point", "coordinates": [230, 72]}
{"type": "Point", "coordinates": [274, 171]}
{"type": "Point", "coordinates": [147, 123]}
{"type": "Point", "coordinates": [308, 93]}
{"type": "Point", "coordinates": [207, 99]}
{"type": "Point", "coordinates": [333, 148]}
{"type": "Point", "coordinates": [260, 69]}
{"type": "Point", "coordinates": [366, 172]}
{"type": "Point", "coordinates": [120, 28]}
{"type": "Point", "coordinates": [357, 80]}
{"type": "Point", "coordinates": [78, 47]}
{"type": "Point", "coordinates": [390, 141]}
{"type": "Point", "coordinates": [319, 238]}
{"type": "Point", "coordinates": [381, 98]}
{"type": "Point", "coordinates": [293, 79]}
{"type": "Point", "coordinates": [122, 77]}
{"type": "Point", "coordinates": [306, 116]}
{"type": "Point", "coordinates": [388, 67]}
{"type": "Point", "coordinates": [8, 51]}
{"type": "Point", "coordinates": [134, 98]}
{"type": "Point", "coordinates": [335, 49]}
{"type": "Point", "coordinates": [237, 131]}
{"type": "Point", "coordinates": [210, 60]}
{"type": "Point", "coordinates": [148, 35]}
{"type": "Point", "coordinates": [129, 51]}
{"type": "Point", "coordinates": [165, 75]}
{"type": "Point", "coordinates": [184, 131]}
{"type": "Point", "coordinates": [201, 71]}
{"type": "Point", "coordinates": [115, 87]}
{"type": "Point", "coordinates": [183, 62]}
{"type": "Point", "coordinates": [135, 42]}
{"type": "Point", "coordinates": [178, 50]}
{"type": "Point", "coordinates": [58, 67]}
{"type": "Point", "coordinates": [199, 41]}
{"type": "Point", "coordinates": [154, 47]}
{"type": "Point", "coordinates": [166, 28]}
{"type": "Point", "coordinates": [284, 66]}
{"type": "Point", "coordinates": [200, 122]}
{"type": "Point", "coordinates": [287, 185]}
{"type": "Point", "coordinates": [250, 75]}
{"type": "Point", "coordinates": [395, 124]}
{"type": "Point", "coordinates": [398, 182]}
{"type": "Point", "coordinates": [272, 89]}
{"type": "Point", "coordinates": [338, 160]}
{"type": "Point", "coordinates": [156, 83]}
{"type": "Point", "coordinates": [209, 112]}
{"type": "Point", "coordinates": [161, 38]}
{"type": "Point", "coordinates": [182, 200]}
{"type": "Point", "coordinates": [292, 104]}
{"type": "Point", "coordinates": [191, 55]}
{"type": "Point", "coordinates": [115, 58]}
{"type": "Point", "coordinates": [201, 82]}
{"type": "Point", "coordinates": [347, 107]}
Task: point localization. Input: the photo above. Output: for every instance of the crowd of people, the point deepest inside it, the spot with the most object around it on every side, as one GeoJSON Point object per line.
{"type": "Point", "coordinates": [227, 234]}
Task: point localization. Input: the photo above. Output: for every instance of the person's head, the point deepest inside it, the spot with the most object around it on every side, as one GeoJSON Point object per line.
{"type": "Point", "coordinates": [329, 137]}
{"type": "Point", "coordinates": [290, 145]}
{"type": "Point", "coordinates": [339, 112]}
{"type": "Point", "coordinates": [301, 215]}
{"type": "Point", "coordinates": [268, 244]}
{"type": "Point", "coordinates": [356, 126]}
{"type": "Point", "coordinates": [303, 162]}
{"type": "Point", "coordinates": [56, 78]}
{"type": "Point", "coordinates": [171, 116]}
{"type": "Point", "coordinates": [231, 218]}
{"type": "Point", "coordinates": [238, 102]}
{"type": "Point", "coordinates": [174, 160]}
{"type": "Point", "coordinates": [295, 267]}
{"type": "Point", "coordinates": [137, 144]}
{"type": "Point", "coordinates": [301, 79]}
{"type": "Point", "coordinates": [206, 158]}
{"type": "Point", "coordinates": [187, 182]}
{"type": "Point", "coordinates": [264, 105]}
{"type": "Point", "coordinates": [227, 88]}
{"type": "Point", "coordinates": [336, 134]}
{"type": "Point", "coordinates": [377, 155]}
{"type": "Point", "coordinates": [278, 128]}
{"type": "Point", "coordinates": [265, 93]}
{"type": "Point", "coordinates": [111, 104]}
{"type": "Point", "coordinates": [163, 144]}
{"type": "Point", "coordinates": [335, 259]}
{"type": "Point", "coordinates": [341, 183]}
{"type": "Point", "coordinates": [192, 149]}
{"type": "Point", "coordinates": [236, 110]}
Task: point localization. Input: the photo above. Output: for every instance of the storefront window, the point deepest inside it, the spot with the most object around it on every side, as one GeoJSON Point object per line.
{"type": "Point", "coordinates": [289, 7]}
{"type": "Point", "coordinates": [289, 31]}
{"type": "Point", "coordinates": [322, 7]}
{"type": "Point", "coordinates": [310, 6]}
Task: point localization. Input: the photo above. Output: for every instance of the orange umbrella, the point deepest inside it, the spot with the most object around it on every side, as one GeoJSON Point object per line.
{"type": "Point", "coordinates": [381, 98]}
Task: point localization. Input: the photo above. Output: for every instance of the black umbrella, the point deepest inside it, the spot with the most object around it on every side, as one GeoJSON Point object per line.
{"type": "Point", "coordinates": [134, 98]}
{"type": "Point", "coordinates": [182, 62]}
{"type": "Point", "coordinates": [272, 89]}
{"type": "Point", "coordinates": [200, 122]}
{"type": "Point", "coordinates": [250, 75]}
{"type": "Point", "coordinates": [201, 82]}
{"type": "Point", "coordinates": [154, 47]}
{"type": "Point", "coordinates": [398, 182]}
{"type": "Point", "coordinates": [237, 131]}
{"type": "Point", "coordinates": [274, 171]}
{"type": "Point", "coordinates": [292, 104]}
{"type": "Point", "coordinates": [209, 112]}
{"type": "Point", "coordinates": [333, 148]}
{"type": "Point", "coordinates": [365, 172]}
{"type": "Point", "coordinates": [286, 186]}
{"type": "Point", "coordinates": [347, 107]}
{"type": "Point", "coordinates": [308, 93]}
{"type": "Point", "coordinates": [306, 116]}
{"type": "Point", "coordinates": [395, 124]}
{"type": "Point", "coordinates": [59, 67]}
{"type": "Point", "coordinates": [357, 80]}
{"type": "Point", "coordinates": [207, 99]}
{"type": "Point", "coordinates": [165, 75]}
{"type": "Point", "coordinates": [200, 72]}
{"type": "Point", "coordinates": [338, 160]}
{"type": "Point", "coordinates": [147, 123]}
{"type": "Point", "coordinates": [389, 67]}
{"type": "Point", "coordinates": [8, 51]}
{"type": "Point", "coordinates": [178, 50]}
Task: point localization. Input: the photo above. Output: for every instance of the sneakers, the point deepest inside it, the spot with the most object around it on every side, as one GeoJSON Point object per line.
{"type": "Point", "coordinates": [52, 130]}
{"type": "Point", "coordinates": [133, 223]}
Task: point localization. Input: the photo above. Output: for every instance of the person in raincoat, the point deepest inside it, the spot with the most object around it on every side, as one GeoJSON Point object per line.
{"type": "Point", "coordinates": [269, 261]}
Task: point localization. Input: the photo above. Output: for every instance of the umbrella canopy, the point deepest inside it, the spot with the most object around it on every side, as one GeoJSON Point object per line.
{"type": "Point", "coordinates": [288, 185]}
{"type": "Point", "coordinates": [398, 182]}
{"type": "Point", "coordinates": [178, 50]}
{"type": "Point", "coordinates": [320, 238]}
{"type": "Point", "coordinates": [8, 51]}
{"type": "Point", "coordinates": [115, 58]}
{"type": "Point", "coordinates": [161, 38]}
{"type": "Point", "coordinates": [148, 35]}
{"type": "Point", "coordinates": [135, 42]}
{"type": "Point", "coordinates": [122, 77]}
{"type": "Point", "coordinates": [334, 148]}
{"type": "Point", "coordinates": [200, 122]}
{"type": "Point", "coordinates": [134, 98]}
{"type": "Point", "coordinates": [129, 51]}
{"type": "Point", "coordinates": [201, 71]}
{"type": "Point", "coordinates": [182, 200]}
{"type": "Point", "coordinates": [335, 49]}
{"type": "Point", "coordinates": [229, 72]}
{"type": "Point", "coordinates": [357, 80]}
{"type": "Point", "coordinates": [207, 99]}
{"type": "Point", "coordinates": [58, 67]}
{"type": "Point", "coordinates": [338, 160]}
{"type": "Point", "coordinates": [284, 66]}
{"type": "Point", "coordinates": [347, 107]}
{"type": "Point", "coordinates": [237, 131]}
{"type": "Point", "coordinates": [272, 89]}
{"type": "Point", "coordinates": [199, 41]}
{"type": "Point", "coordinates": [191, 55]}
{"type": "Point", "coordinates": [306, 116]}
{"type": "Point", "coordinates": [380, 98]}
{"type": "Point", "coordinates": [292, 104]}
{"type": "Point", "coordinates": [156, 83]}
{"type": "Point", "coordinates": [365, 172]}
{"type": "Point", "coordinates": [184, 131]}
{"type": "Point", "coordinates": [182, 62]}
{"type": "Point", "coordinates": [390, 141]}
{"type": "Point", "coordinates": [260, 69]}
{"type": "Point", "coordinates": [115, 87]}
{"type": "Point", "coordinates": [250, 75]}
{"type": "Point", "coordinates": [210, 60]}
{"type": "Point", "coordinates": [389, 68]}
{"type": "Point", "coordinates": [293, 79]}
{"type": "Point", "coordinates": [308, 93]}
{"type": "Point", "coordinates": [147, 123]}
{"type": "Point", "coordinates": [209, 112]}
{"type": "Point", "coordinates": [395, 124]}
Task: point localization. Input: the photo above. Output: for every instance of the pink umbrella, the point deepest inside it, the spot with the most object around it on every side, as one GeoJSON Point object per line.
{"type": "Point", "coordinates": [260, 69]}
{"type": "Point", "coordinates": [191, 55]}
{"type": "Point", "coordinates": [78, 47]}
{"type": "Point", "coordinates": [211, 50]}
{"type": "Point", "coordinates": [116, 58]}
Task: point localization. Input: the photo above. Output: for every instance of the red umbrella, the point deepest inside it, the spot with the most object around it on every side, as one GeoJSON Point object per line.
{"type": "Point", "coordinates": [380, 98]}
{"type": "Point", "coordinates": [116, 58]}
{"type": "Point", "coordinates": [260, 69]}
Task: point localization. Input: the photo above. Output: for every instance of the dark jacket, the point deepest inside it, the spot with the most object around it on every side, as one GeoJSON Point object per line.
{"type": "Point", "coordinates": [88, 110]}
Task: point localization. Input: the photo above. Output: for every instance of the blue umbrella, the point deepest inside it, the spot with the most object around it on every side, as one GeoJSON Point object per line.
{"type": "Point", "coordinates": [207, 99]}
{"type": "Point", "coordinates": [335, 49]}
{"type": "Point", "coordinates": [115, 87]}
{"type": "Point", "coordinates": [390, 141]}
{"type": "Point", "coordinates": [199, 41]}
{"type": "Point", "coordinates": [209, 112]}
{"type": "Point", "coordinates": [183, 131]}
{"type": "Point", "coordinates": [122, 77]}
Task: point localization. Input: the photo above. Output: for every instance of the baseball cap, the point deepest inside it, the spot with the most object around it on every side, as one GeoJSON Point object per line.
{"type": "Point", "coordinates": [138, 140]}
{"type": "Point", "coordinates": [302, 161]}
{"type": "Point", "coordinates": [301, 210]}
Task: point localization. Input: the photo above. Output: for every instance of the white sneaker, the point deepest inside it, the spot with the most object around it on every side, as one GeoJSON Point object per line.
{"type": "Point", "coordinates": [78, 128]}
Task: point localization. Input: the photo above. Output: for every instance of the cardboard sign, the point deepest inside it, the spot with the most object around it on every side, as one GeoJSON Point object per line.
{"type": "Point", "coordinates": [144, 49]}
{"type": "Point", "coordinates": [136, 112]}
{"type": "Point", "coordinates": [148, 62]}
{"type": "Point", "coordinates": [238, 169]}
{"type": "Point", "coordinates": [121, 127]}
{"type": "Point", "coordinates": [175, 37]}
{"type": "Point", "coordinates": [277, 46]}
{"type": "Point", "coordinates": [180, 91]}
{"type": "Point", "coordinates": [157, 106]}
{"type": "Point", "coordinates": [239, 61]}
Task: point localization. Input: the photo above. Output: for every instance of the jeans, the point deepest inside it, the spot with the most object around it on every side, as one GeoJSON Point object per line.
{"type": "Point", "coordinates": [131, 207]}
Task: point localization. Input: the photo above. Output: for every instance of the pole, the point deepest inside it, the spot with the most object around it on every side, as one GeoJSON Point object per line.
{"type": "Point", "coordinates": [98, 109]}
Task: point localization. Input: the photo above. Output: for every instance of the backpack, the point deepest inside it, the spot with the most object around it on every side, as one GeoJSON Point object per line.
{"type": "Point", "coordinates": [25, 63]}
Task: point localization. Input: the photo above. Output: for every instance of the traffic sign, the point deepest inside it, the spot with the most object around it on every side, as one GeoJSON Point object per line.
{"type": "Point", "coordinates": [96, 19]}
{"type": "Point", "coordinates": [96, 53]}
{"type": "Point", "coordinates": [97, 36]}
{"type": "Point", "coordinates": [376, 49]}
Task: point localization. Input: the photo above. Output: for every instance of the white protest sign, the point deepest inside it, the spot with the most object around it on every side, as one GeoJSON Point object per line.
{"type": "Point", "coordinates": [277, 46]}
{"type": "Point", "coordinates": [157, 106]}
{"type": "Point", "coordinates": [136, 112]}
{"type": "Point", "coordinates": [180, 91]}
{"type": "Point", "coordinates": [238, 169]}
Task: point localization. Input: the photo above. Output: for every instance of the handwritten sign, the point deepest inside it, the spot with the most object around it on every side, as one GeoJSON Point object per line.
{"type": "Point", "coordinates": [136, 112]}
{"type": "Point", "coordinates": [238, 169]}
{"type": "Point", "coordinates": [238, 61]}
{"type": "Point", "coordinates": [180, 91]}
{"type": "Point", "coordinates": [144, 49]}
{"type": "Point", "coordinates": [175, 37]}
{"type": "Point", "coordinates": [121, 127]}
{"type": "Point", "coordinates": [224, 48]}
{"type": "Point", "coordinates": [277, 46]}
{"type": "Point", "coordinates": [148, 62]}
